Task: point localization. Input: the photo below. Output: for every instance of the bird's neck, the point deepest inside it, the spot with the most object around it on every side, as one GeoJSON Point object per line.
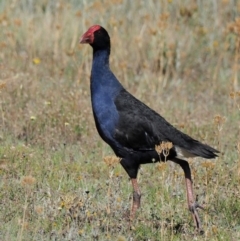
{"type": "Point", "coordinates": [101, 58]}
{"type": "Point", "coordinates": [103, 81]}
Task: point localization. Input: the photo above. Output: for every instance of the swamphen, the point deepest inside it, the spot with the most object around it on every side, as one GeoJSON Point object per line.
{"type": "Point", "coordinates": [131, 128]}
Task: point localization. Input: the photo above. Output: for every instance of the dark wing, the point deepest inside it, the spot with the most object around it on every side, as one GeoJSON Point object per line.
{"type": "Point", "coordinates": [141, 128]}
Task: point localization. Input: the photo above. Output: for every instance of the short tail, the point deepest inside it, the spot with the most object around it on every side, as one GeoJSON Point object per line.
{"type": "Point", "coordinates": [203, 150]}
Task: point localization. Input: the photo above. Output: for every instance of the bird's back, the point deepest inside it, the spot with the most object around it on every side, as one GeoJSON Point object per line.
{"type": "Point", "coordinates": [141, 128]}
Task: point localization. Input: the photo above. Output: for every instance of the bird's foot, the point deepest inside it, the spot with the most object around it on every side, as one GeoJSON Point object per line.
{"type": "Point", "coordinates": [194, 206]}
{"type": "Point", "coordinates": [193, 209]}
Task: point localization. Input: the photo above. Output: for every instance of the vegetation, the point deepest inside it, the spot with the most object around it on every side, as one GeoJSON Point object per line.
{"type": "Point", "coordinates": [179, 57]}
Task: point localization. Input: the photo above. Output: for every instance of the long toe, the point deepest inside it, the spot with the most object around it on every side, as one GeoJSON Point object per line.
{"type": "Point", "coordinates": [193, 208]}
{"type": "Point", "coordinates": [196, 205]}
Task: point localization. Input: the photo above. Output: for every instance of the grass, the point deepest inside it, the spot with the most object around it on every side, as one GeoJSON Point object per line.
{"type": "Point", "coordinates": [179, 57]}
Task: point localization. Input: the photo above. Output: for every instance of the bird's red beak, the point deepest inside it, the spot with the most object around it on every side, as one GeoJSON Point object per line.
{"type": "Point", "coordinates": [87, 38]}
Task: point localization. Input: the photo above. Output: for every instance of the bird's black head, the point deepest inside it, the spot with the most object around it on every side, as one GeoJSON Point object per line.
{"type": "Point", "coordinates": [97, 37]}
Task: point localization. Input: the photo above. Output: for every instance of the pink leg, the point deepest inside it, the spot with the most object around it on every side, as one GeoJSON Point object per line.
{"type": "Point", "coordinates": [192, 204]}
{"type": "Point", "coordinates": [136, 198]}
